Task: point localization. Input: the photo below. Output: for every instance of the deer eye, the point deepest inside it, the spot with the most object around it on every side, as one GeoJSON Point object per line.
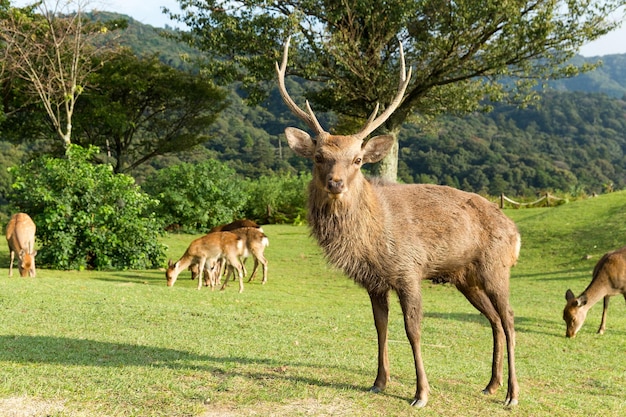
{"type": "Point", "coordinates": [319, 158]}
{"type": "Point", "coordinates": [358, 161]}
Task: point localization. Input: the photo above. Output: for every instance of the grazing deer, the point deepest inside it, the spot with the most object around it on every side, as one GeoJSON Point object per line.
{"type": "Point", "coordinates": [390, 236]}
{"type": "Point", "coordinates": [255, 243]}
{"type": "Point", "coordinates": [207, 250]}
{"type": "Point", "coordinates": [21, 239]}
{"type": "Point", "coordinates": [608, 279]}
{"type": "Point", "coordinates": [236, 224]}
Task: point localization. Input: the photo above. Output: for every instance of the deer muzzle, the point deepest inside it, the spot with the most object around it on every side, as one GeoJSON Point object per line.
{"type": "Point", "coordinates": [335, 188]}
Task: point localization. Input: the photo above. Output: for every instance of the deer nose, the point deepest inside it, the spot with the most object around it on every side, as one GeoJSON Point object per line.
{"type": "Point", "coordinates": [335, 186]}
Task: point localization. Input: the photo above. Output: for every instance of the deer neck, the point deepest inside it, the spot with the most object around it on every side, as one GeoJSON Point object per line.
{"type": "Point", "coordinates": [597, 290]}
{"type": "Point", "coordinates": [184, 263]}
{"type": "Point", "coordinates": [350, 231]}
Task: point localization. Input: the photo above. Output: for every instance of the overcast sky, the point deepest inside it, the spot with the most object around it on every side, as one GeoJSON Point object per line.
{"type": "Point", "coordinates": [149, 12]}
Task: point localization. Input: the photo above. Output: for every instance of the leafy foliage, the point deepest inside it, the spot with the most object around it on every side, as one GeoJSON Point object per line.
{"type": "Point", "coordinates": [145, 108]}
{"type": "Point", "coordinates": [278, 198]}
{"type": "Point", "coordinates": [87, 216]}
{"type": "Point", "coordinates": [197, 197]}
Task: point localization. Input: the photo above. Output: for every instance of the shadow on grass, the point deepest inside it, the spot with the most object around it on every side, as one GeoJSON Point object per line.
{"type": "Point", "coordinates": [522, 324]}
{"type": "Point", "coordinates": [559, 275]}
{"type": "Point", "coordinates": [81, 352]}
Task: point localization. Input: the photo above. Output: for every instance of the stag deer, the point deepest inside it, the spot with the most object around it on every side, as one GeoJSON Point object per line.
{"type": "Point", "coordinates": [608, 279]}
{"type": "Point", "coordinates": [21, 239]}
{"type": "Point", "coordinates": [390, 236]}
{"type": "Point", "coordinates": [207, 250]}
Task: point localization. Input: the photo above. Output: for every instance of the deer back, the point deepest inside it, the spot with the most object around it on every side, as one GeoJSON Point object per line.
{"type": "Point", "coordinates": [255, 240]}
{"type": "Point", "coordinates": [20, 235]}
{"type": "Point", "coordinates": [237, 224]}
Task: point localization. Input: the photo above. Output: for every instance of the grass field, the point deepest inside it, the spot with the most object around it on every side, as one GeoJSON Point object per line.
{"type": "Point", "coordinates": [123, 344]}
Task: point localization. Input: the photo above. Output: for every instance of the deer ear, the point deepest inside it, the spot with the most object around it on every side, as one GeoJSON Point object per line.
{"type": "Point", "coordinates": [582, 300]}
{"type": "Point", "coordinates": [376, 148]}
{"type": "Point", "coordinates": [569, 295]}
{"type": "Point", "coordinates": [300, 142]}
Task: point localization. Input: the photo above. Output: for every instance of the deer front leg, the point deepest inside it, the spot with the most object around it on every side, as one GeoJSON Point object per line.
{"type": "Point", "coordinates": [11, 264]}
{"type": "Point", "coordinates": [604, 310]}
{"type": "Point", "coordinates": [380, 308]}
{"type": "Point", "coordinates": [411, 303]}
{"type": "Point", "coordinates": [201, 272]}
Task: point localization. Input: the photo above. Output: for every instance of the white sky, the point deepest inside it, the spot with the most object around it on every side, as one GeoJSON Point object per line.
{"type": "Point", "coordinates": [149, 12]}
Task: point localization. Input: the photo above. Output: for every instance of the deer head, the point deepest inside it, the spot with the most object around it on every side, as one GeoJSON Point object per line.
{"type": "Point", "coordinates": [338, 158]}
{"type": "Point", "coordinates": [574, 314]}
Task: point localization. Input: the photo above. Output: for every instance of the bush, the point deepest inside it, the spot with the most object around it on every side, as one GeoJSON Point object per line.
{"type": "Point", "coordinates": [197, 197]}
{"type": "Point", "coordinates": [278, 198]}
{"type": "Point", "coordinates": [87, 216]}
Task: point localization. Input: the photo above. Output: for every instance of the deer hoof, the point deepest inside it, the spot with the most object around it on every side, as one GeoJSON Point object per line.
{"type": "Point", "coordinates": [375, 390]}
{"type": "Point", "coordinates": [510, 402]}
{"type": "Point", "coordinates": [418, 403]}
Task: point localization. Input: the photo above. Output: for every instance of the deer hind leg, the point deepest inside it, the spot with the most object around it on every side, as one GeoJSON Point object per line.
{"type": "Point", "coordinates": [493, 301]}
{"type": "Point", "coordinates": [605, 308]}
{"type": "Point", "coordinates": [411, 303]}
{"type": "Point", "coordinates": [254, 269]}
{"type": "Point", "coordinates": [478, 298]}
{"type": "Point", "coordinates": [242, 261]}
{"type": "Point", "coordinates": [259, 258]}
{"type": "Point", "coordinates": [236, 266]}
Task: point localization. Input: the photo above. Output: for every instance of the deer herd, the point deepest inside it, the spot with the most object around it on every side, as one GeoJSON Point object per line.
{"type": "Point", "coordinates": [386, 237]}
{"type": "Point", "coordinates": [222, 250]}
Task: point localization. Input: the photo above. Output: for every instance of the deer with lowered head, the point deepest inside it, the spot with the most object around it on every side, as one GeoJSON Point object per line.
{"type": "Point", "coordinates": [388, 237]}
{"type": "Point", "coordinates": [206, 252]}
{"type": "Point", "coordinates": [255, 242]}
{"type": "Point", "coordinates": [20, 233]}
{"type": "Point", "coordinates": [608, 279]}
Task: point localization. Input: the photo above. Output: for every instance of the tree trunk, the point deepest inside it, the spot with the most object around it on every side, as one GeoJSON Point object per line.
{"type": "Point", "coordinates": [387, 168]}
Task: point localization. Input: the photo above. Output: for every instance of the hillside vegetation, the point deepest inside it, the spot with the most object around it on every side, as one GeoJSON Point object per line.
{"type": "Point", "coordinates": [573, 142]}
{"type": "Point", "coordinates": [96, 343]}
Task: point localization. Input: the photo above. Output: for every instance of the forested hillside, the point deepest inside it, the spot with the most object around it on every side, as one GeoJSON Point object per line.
{"type": "Point", "coordinates": [574, 141]}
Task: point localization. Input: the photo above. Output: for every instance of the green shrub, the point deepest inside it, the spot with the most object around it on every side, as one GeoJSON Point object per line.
{"type": "Point", "coordinates": [196, 197]}
{"type": "Point", "coordinates": [87, 216]}
{"type": "Point", "coordinates": [278, 198]}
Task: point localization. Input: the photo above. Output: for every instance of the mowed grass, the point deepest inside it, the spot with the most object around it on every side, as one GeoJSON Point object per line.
{"type": "Point", "coordinates": [123, 344]}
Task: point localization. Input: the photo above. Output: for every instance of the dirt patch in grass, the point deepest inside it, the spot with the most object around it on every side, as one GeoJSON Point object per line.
{"type": "Point", "coordinates": [29, 407]}
{"type": "Point", "coordinates": [307, 407]}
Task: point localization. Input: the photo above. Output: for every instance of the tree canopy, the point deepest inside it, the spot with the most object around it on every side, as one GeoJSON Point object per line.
{"type": "Point", "coordinates": [460, 51]}
{"type": "Point", "coordinates": [48, 46]}
{"type": "Point", "coordinates": [145, 108]}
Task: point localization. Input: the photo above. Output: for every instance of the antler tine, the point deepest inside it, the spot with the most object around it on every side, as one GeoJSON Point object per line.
{"type": "Point", "coordinates": [374, 122]}
{"type": "Point", "coordinates": [308, 118]}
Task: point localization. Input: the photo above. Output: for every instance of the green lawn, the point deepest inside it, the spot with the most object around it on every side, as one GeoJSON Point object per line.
{"type": "Point", "coordinates": [123, 344]}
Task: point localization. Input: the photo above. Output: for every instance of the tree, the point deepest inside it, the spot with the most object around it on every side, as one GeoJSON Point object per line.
{"type": "Point", "coordinates": [49, 44]}
{"type": "Point", "coordinates": [145, 108]}
{"type": "Point", "coordinates": [87, 216]}
{"type": "Point", "coordinates": [197, 197]}
{"type": "Point", "coordinates": [460, 51]}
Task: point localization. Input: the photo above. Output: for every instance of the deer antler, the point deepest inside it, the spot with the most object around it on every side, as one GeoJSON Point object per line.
{"type": "Point", "coordinates": [308, 118]}
{"type": "Point", "coordinates": [374, 122]}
